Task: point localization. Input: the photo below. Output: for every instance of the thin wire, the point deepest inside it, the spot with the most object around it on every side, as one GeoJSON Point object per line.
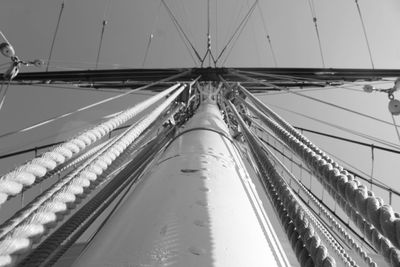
{"type": "Point", "coordinates": [104, 23]}
{"type": "Point", "coordinates": [314, 17]}
{"type": "Point", "coordinates": [232, 25]}
{"type": "Point", "coordinates": [180, 29]}
{"type": "Point", "coordinates": [323, 102]}
{"type": "Point", "coordinates": [365, 33]}
{"type": "Point", "coordinates": [152, 34]}
{"type": "Point", "coordinates": [395, 127]}
{"type": "Point", "coordinates": [4, 37]}
{"type": "Point", "coordinates": [372, 163]}
{"type": "Point", "coordinates": [353, 168]}
{"type": "Point", "coordinates": [36, 125]}
{"type": "Point", "coordinates": [216, 26]}
{"type": "Point", "coordinates": [255, 38]}
{"type": "Point", "coordinates": [239, 27]}
{"type": "Point", "coordinates": [208, 32]}
{"type": "Point", "coordinates": [268, 35]}
{"type": "Point", "coordinates": [3, 93]}
{"type": "Point", "coordinates": [190, 51]}
{"type": "Point", "coordinates": [372, 138]}
{"type": "Point", "coordinates": [55, 35]}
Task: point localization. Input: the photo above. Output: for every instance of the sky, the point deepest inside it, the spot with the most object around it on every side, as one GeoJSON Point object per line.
{"type": "Point", "coordinates": [30, 25]}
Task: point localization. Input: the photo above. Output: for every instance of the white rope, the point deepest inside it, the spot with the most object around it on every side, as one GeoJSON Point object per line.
{"type": "Point", "coordinates": [64, 194]}
{"type": "Point", "coordinates": [13, 182]}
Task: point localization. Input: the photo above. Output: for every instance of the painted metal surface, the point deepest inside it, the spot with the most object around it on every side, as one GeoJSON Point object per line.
{"type": "Point", "coordinates": [194, 208]}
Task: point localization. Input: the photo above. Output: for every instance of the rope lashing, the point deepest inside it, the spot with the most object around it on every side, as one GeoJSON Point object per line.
{"type": "Point", "coordinates": [345, 189]}
{"type": "Point", "coordinates": [13, 182]}
{"type": "Point", "coordinates": [301, 233]}
{"type": "Point", "coordinates": [65, 194]}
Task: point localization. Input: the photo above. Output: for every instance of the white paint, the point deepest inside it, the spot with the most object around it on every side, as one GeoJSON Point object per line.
{"type": "Point", "coordinates": [192, 209]}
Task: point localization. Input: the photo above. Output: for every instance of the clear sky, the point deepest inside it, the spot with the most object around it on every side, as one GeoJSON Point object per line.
{"type": "Point", "coordinates": [29, 26]}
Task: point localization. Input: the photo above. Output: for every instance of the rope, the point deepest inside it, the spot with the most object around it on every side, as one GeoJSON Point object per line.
{"type": "Point", "coordinates": [238, 35]}
{"type": "Point", "coordinates": [244, 21]}
{"type": "Point", "coordinates": [360, 134]}
{"type": "Point", "coordinates": [180, 29]}
{"type": "Point", "coordinates": [306, 243]}
{"type": "Point", "coordinates": [365, 34]}
{"type": "Point", "coordinates": [76, 185]}
{"type": "Point", "coordinates": [372, 146]}
{"type": "Point", "coordinates": [314, 17]}
{"type": "Point", "coordinates": [13, 182]}
{"type": "Point", "coordinates": [359, 203]}
{"type": "Point", "coordinates": [55, 35]}
{"type": "Point", "coordinates": [268, 35]}
{"type": "Point", "coordinates": [4, 37]}
{"type": "Point", "coordinates": [375, 181]}
{"type": "Point", "coordinates": [104, 23]}
{"type": "Point", "coordinates": [36, 125]}
{"type": "Point", "coordinates": [3, 93]}
{"type": "Point", "coordinates": [339, 229]}
{"type": "Point", "coordinates": [313, 98]}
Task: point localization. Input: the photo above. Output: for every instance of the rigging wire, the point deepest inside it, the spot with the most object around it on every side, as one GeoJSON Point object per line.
{"type": "Point", "coordinates": [4, 37]}
{"type": "Point", "coordinates": [396, 127]}
{"type": "Point", "coordinates": [360, 134]}
{"type": "Point", "coordinates": [151, 34]}
{"type": "Point", "coordinates": [240, 27]}
{"type": "Point", "coordinates": [255, 38]}
{"type": "Point", "coordinates": [55, 35]}
{"type": "Point", "coordinates": [36, 125]}
{"type": "Point", "coordinates": [3, 93]}
{"type": "Point", "coordinates": [372, 163]}
{"type": "Point", "coordinates": [104, 23]}
{"type": "Point", "coordinates": [372, 146]}
{"type": "Point", "coordinates": [264, 23]}
{"type": "Point", "coordinates": [238, 11]}
{"type": "Point", "coordinates": [216, 26]}
{"type": "Point", "coordinates": [321, 101]}
{"type": "Point", "coordinates": [365, 33]}
{"type": "Point", "coordinates": [180, 29]}
{"type": "Point", "coordinates": [351, 168]}
{"type": "Point", "coordinates": [375, 180]}
{"type": "Point", "coordinates": [315, 21]}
